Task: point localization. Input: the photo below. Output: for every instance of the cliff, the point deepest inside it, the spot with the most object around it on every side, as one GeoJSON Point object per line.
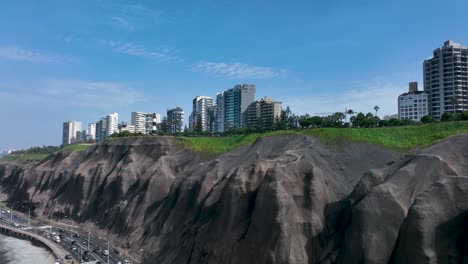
{"type": "Point", "coordinates": [283, 199]}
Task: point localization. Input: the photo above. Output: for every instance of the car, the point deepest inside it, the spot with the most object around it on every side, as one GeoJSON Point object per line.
{"type": "Point", "coordinates": [53, 233]}
{"type": "Point", "coordinates": [86, 252]}
{"type": "Point", "coordinates": [68, 257]}
{"type": "Point", "coordinates": [73, 242]}
{"type": "Point", "coordinates": [116, 252]}
{"type": "Point", "coordinates": [85, 258]}
{"type": "Point", "coordinates": [61, 236]}
{"type": "Point", "coordinates": [73, 248]}
{"type": "Point", "coordinates": [61, 230]}
{"type": "Point", "coordinates": [16, 224]}
{"type": "Point", "coordinates": [77, 235]}
{"type": "Point", "coordinates": [9, 211]}
{"type": "Point", "coordinates": [97, 250]}
{"type": "Point", "coordinates": [105, 252]}
{"type": "Point", "coordinates": [126, 262]}
{"type": "Point", "coordinates": [84, 242]}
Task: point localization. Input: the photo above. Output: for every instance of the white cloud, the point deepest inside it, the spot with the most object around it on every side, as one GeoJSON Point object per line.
{"type": "Point", "coordinates": [131, 49]}
{"type": "Point", "coordinates": [64, 38]}
{"type": "Point", "coordinates": [361, 99]}
{"type": "Point", "coordinates": [132, 17]}
{"type": "Point", "coordinates": [31, 55]}
{"type": "Point", "coordinates": [73, 93]}
{"type": "Point", "coordinates": [237, 70]}
{"type": "Point", "coordinates": [123, 23]}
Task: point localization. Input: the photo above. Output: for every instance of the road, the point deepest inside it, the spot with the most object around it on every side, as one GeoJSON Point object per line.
{"type": "Point", "coordinates": [76, 243]}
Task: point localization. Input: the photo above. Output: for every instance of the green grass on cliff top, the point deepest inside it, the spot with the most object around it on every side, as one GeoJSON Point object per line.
{"type": "Point", "coordinates": [40, 156]}
{"type": "Point", "coordinates": [76, 147]}
{"type": "Point", "coordinates": [396, 138]}
{"type": "Point", "coordinates": [25, 157]}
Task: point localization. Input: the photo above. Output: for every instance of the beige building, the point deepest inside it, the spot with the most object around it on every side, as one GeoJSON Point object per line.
{"type": "Point", "coordinates": [263, 113]}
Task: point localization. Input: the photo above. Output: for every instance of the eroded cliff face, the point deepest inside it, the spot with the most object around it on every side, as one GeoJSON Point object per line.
{"type": "Point", "coordinates": [286, 199]}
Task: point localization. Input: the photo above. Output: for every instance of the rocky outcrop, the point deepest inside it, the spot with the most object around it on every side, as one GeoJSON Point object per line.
{"type": "Point", "coordinates": [285, 199]}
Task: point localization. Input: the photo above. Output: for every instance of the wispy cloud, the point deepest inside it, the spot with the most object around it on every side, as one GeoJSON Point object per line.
{"type": "Point", "coordinates": [361, 98]}
{"type": "Point", "coordinates": [127, 48]}
{"type": "Point", "coordinates": [31, 55]}
{"type": "Point", "coordinates": [72, 93]}
{"type": "Point", "coordinates": [64, 38]}
{"type": "Point", "coordinates": [237, 70]}
{"type": "Point", "coordinates": [131, 17]}
{"type": "Point", "coordinates": [123, 23]}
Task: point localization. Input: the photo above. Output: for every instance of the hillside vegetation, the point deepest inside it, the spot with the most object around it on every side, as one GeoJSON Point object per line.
{"type": "Point", "coordinates": [396, 138]}
{"type": "Point", "coordinates": [40, 153]}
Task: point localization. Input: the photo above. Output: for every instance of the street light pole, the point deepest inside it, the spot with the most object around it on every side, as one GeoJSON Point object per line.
{"type": "Point", "coordinates": [108, 253]}
{"type": "Point", "coordinates": [89, 234]}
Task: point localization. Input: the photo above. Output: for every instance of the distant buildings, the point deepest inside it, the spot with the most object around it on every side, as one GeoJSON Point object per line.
{"type": "Point", "coordinates": [262, 114]}
{"type": "Point", "coordinates": [413, 105]}
{"type": "Point", "coordinates": [126, 127]}
{"type": "Point", "coordinates": [143, 122]}
{"type": "Point", "coordinates": [446, 79]}
{"type": "Point", "coordinates": [71, 132]}
{"type": "Point", "coordinates": [233, 104]}
{"type": "Point", "coordinates": [174, 123]}
{"type": "Point", "coordinates": [107, 126]}
{"type": "Point", "coordinates": [234, 108]}
{"type": "Point", "coordinates": [202, 117]}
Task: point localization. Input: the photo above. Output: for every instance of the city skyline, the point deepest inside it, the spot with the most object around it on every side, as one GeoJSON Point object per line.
{"type": "Point", "coordinates": [79, 61]}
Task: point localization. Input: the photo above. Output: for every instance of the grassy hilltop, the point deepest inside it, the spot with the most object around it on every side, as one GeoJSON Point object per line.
{"type": "Point", "coordinates": [396, 138]}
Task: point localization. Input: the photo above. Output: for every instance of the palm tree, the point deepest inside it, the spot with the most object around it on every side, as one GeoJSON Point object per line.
{"type": "Point", "coordinates": [454, 102]}
{"type": "Point", "coordinates": [376, 108]}
{"type": "Point", "coordinates": [350, 112]}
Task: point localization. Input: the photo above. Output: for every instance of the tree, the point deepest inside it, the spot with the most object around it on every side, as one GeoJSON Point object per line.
{"type": "Point", "coordinates": [376, 108]}
{"type": "Point", "coordinates": [454, 102]}
{"type": "Point", "coordinates": [316, 121]}
{"type": "Point", "coordinates": [427, 119]}
{"type": "Point", "coordinates": [447, 116]}
{"type": "Point", "coordinates": [350, 112]}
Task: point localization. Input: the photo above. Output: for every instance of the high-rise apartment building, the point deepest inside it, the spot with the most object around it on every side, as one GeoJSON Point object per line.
{"type": "Point", "coordinates": [263, 113]}
{"type": "Point", "coordinates": [413, 105]}
{"type": "Point", "coordinates": [112, 124]}
{"type": "Point", "coordinates": [91, 131]}
{"type": "Point", "coordinates": [219, 115]}
{"type": "Point", "coordinates": [70, 129]}
{"type": "Point", "coordinates": [143, 122]}
{"type": "Point", "coordinates": [200, 118]}
{"type": "Point", "coordinates": [174, 122]}
{"type": "Point", "coordinates": [101, 128]}
{"type": "Point", "coordinates": [446, 79]}
{"type": "Point", "coordinates": [234, 103]}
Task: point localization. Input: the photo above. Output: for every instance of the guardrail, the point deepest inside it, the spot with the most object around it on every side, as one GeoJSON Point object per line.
{"type": "Point", "coordinates": [56, 251]}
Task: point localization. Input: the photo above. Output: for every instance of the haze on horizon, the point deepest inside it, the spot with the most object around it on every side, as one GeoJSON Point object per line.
{"type": "Point", "coordinates": [81, 60]}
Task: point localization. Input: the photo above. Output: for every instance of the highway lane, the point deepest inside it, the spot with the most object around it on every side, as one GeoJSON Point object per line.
{"type": "Point", "coordinates": [69, 239]}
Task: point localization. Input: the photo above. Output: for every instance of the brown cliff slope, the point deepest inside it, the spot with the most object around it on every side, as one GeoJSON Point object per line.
{"type": "Point", "coordinates": [284, 199]}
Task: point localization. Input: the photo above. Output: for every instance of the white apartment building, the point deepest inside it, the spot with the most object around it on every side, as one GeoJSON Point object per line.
{"type": "Point", "coordinates": [112, 125]}
{"type": "Point", "coordinates": [91, 131]}
{"type": "Point", "coordinates": [124, 126]}
{"type": "Point", "coordinates": [143, 121]}
{"type": "Point", "coordinates": [446, 79]}
{"type": "Point", "coordinates": [70, 129]}
{"type": "Point", "coordinates": [414, 104]}
{"type": "Point", "coordinates": [199, 119]}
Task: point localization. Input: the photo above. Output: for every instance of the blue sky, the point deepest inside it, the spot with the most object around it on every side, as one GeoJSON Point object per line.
{"type": "Point", "coordinates": [80, 60]}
